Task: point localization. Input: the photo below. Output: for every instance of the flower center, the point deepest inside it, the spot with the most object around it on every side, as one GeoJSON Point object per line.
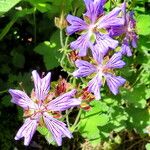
{"type": "Point", "coordinates": [100, 70]}
{"type": "Point", "coordinates": [91, 29]}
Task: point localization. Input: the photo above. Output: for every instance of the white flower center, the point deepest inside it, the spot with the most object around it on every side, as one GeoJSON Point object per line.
{"type": "Point", "coordinates": [91, 29]}
{"type": "Point", "coordinates": [100, 70]}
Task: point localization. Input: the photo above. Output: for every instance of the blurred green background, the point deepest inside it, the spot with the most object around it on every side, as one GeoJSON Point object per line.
{"type": "Point", "coordinates": [29, 40]}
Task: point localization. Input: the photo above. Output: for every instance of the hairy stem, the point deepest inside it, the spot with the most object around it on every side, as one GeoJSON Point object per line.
{"type": "Point", "coordinates": [61, 38]}
{"type": "Point", "coordinates": [76, 123]}
{"type": "Point", "coordinates": [67, 118]}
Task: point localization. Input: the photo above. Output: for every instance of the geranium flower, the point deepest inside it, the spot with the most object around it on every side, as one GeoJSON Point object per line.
{"type": "Point", "coordinates": [129, 32]}
{"type": "Point", "coordinates": [93, 29]}
{"type": "Point", "coordinates": [40, 107]}
{"type": "Point", "coordinates": [102, 69]}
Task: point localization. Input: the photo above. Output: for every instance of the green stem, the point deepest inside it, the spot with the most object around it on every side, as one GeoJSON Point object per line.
{"type": "Point", "coordinates": [66, 41]}
{"type": "Point", "coordinates": [1, 92]}
{"type": "Point", "coordinates": [110, 5]}
{"type": "Point", "coordinates": [61, 38]}
{"type": "Point", "coordinates": [77, 119]}
{"type": "Point", "coordinates": [74, 82]}
{"type": "Point", "coordinates": [34, 19]}
{"type": "Point", "coordinates": [67, 118]}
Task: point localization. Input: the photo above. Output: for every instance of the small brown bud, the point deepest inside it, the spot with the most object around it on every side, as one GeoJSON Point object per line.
{"type": "Point", "coordinates": [87, 96]}
{"type": "Point", "coordinates": [62, 86]}
{"type": "Point", "coordinates": [60, 22]}
{"type": "Point", "coordinates": [73, 56]}
{"type": "Point", "coordinates": [85, 106]}
{"type": "Point", "coordinates": [57, 115]}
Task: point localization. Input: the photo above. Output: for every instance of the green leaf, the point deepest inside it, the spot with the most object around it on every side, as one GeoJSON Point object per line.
{"type": "Point", "coordinates": [143, 27]}
{"type": "Point", "coordinates": [139, 119]}
{"type": "Point", "coordinates": [42, 130]}
{"type": "Point", "coordinates": [20, 113]}
{"type": "Point", "coordinates": [79, 6]}
{"type": "Point", "coordinates": [48, 136]}
{"type": "Point", "coordinates": [51, 5]}
{"type": "Point", "coordinates": [18, 14]}
{"type": "Point", "coordinates": [6, 5]}
{"type": "Point", "coordinates": [50, 51]}
{"type": "Point", "coordinates": [117, 117]}
{"type": "Point", "coordinates": [24, 79]}
{"type": "Point", "coordinates": [147, 146]}
{"type": "Point", "coordinates": [143, 24]}
{"type": "Point", "coordinates": [92, 120]}
{"type": "Point", "coordinates": [41, 5]}
{"type": "Point", "coordinates": [6, 101]}
{"type": "Point", "coordinates": [62, 5]}
{"type": "Point", "coordinates": [18, 60]}
{"type": "Point", "coordinates": [135, 96]}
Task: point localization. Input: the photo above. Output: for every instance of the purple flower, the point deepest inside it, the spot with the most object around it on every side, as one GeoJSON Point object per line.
{"type": "Point", "coordinates": [39, 109]}
{"type": "Point", "coordinates": [93, 29]}
{"type": "Point", "coordinates": [104, 43]}
{"type": "Point", "coordinates": [94, 9]}
{"type": "Point", "coordinates": [129, 30]}
{"type": "Point", "coordinates": [102, 69]}
{"type": "Point", "coordinates": [125, 48]}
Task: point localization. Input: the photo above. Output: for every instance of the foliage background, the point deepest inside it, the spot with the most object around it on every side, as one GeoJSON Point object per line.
{"type": "Point", "coordinates": [29, 40]}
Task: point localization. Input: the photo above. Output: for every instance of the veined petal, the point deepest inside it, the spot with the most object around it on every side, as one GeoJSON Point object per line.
{"type": "Point", "coordinates": [27, 130]}
{"type": "Point", "coordinates": [134, 40]}
{"type": "Point", "coordinates": [42, 85]}
{"type": "Point", "coordinates": [114, 82]}
{"type": "Point", "coordinates": [81, 44]}
{"type": "Point", "coordinates": [115, 61]}
{"type": "Point", "coordinates": [117, 30]}
{"type": "Point", "coordinates": [125, 49]}
{"type": "Point", "coordinates": [94, 86]}
{"type": "Point", "coordinates": [84, 68]}
{"type": "Point", "coordinates": [103, 43]}
{"type": "Point", "coordinates": [97, 54]}
{"type": "Point", "coordinates": [64, 102]}
{"type": "Point", "coordinates": [113, 18]}
{"type": "Point", "coordinates": [21, 98]}
{"type": "Point", "coordinates": [94, 9]}
{"type": "Point", "coordinates": [76, 24]}
{"type": "Point", "coordinates": [57, 128]}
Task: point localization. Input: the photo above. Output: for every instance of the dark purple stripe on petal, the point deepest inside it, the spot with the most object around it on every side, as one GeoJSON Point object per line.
{"type": "Point", "coordinates": [113, 18]}
{"type": "Point", "coordinates": [57, 128]}
{"type": "Point", "coordinates": [21, 98]}
{"type": "Point", "coordinates": [115, 61]}
{"type": "Point", "coordinates": [94, 86]}
{"type": "Point", "coordinates": [64, 102]}
{"type": "Point", "coordinates": [84, 68]}
{"type": "Point", "coordinates": [104, 43]}
{"type": "Point", "coordinates": [94, 9]}
{"type": "Point", "coordinates": [114, 82]}
{"type": "Point", "coordinates": [76, 24]}
{"type": "Point", "coordinates": [27, 131]}
{"type": "Point", "coordinates": [125, 49]}
{"type": "Point", "coordinates": [42, 85]}
{"type": "Point", "coordinates": [81, 44]}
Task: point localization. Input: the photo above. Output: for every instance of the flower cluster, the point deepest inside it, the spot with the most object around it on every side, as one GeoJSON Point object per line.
{"type": "Point", "coordinates": [39, 110]}
{"type": "Point", "coordinates": [99, 32]}
{"type": "Point", "coordinates": [95, 57]}
{"type": "Point", "coordinates": [128, 30]}
{"type": "Point", "coordinates": [93, 29]}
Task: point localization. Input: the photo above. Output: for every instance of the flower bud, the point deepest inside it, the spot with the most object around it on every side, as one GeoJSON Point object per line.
{"type": "Point", "coordinates": [62, 86]}
{"type": "Point", "coordinates": [60, 22]}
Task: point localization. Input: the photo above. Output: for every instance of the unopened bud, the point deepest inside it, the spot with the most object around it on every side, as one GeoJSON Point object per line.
{"type": "Point", "coordinates": [62, 86]}
{"type": "Point", "coordinates": [85, 106]}
{"type": "Point", "coordinates": [60, 22]}
{"type": "Point", "coordinates": [73, 56]}
{"type": "Point", "coordinates": [57, 115]}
